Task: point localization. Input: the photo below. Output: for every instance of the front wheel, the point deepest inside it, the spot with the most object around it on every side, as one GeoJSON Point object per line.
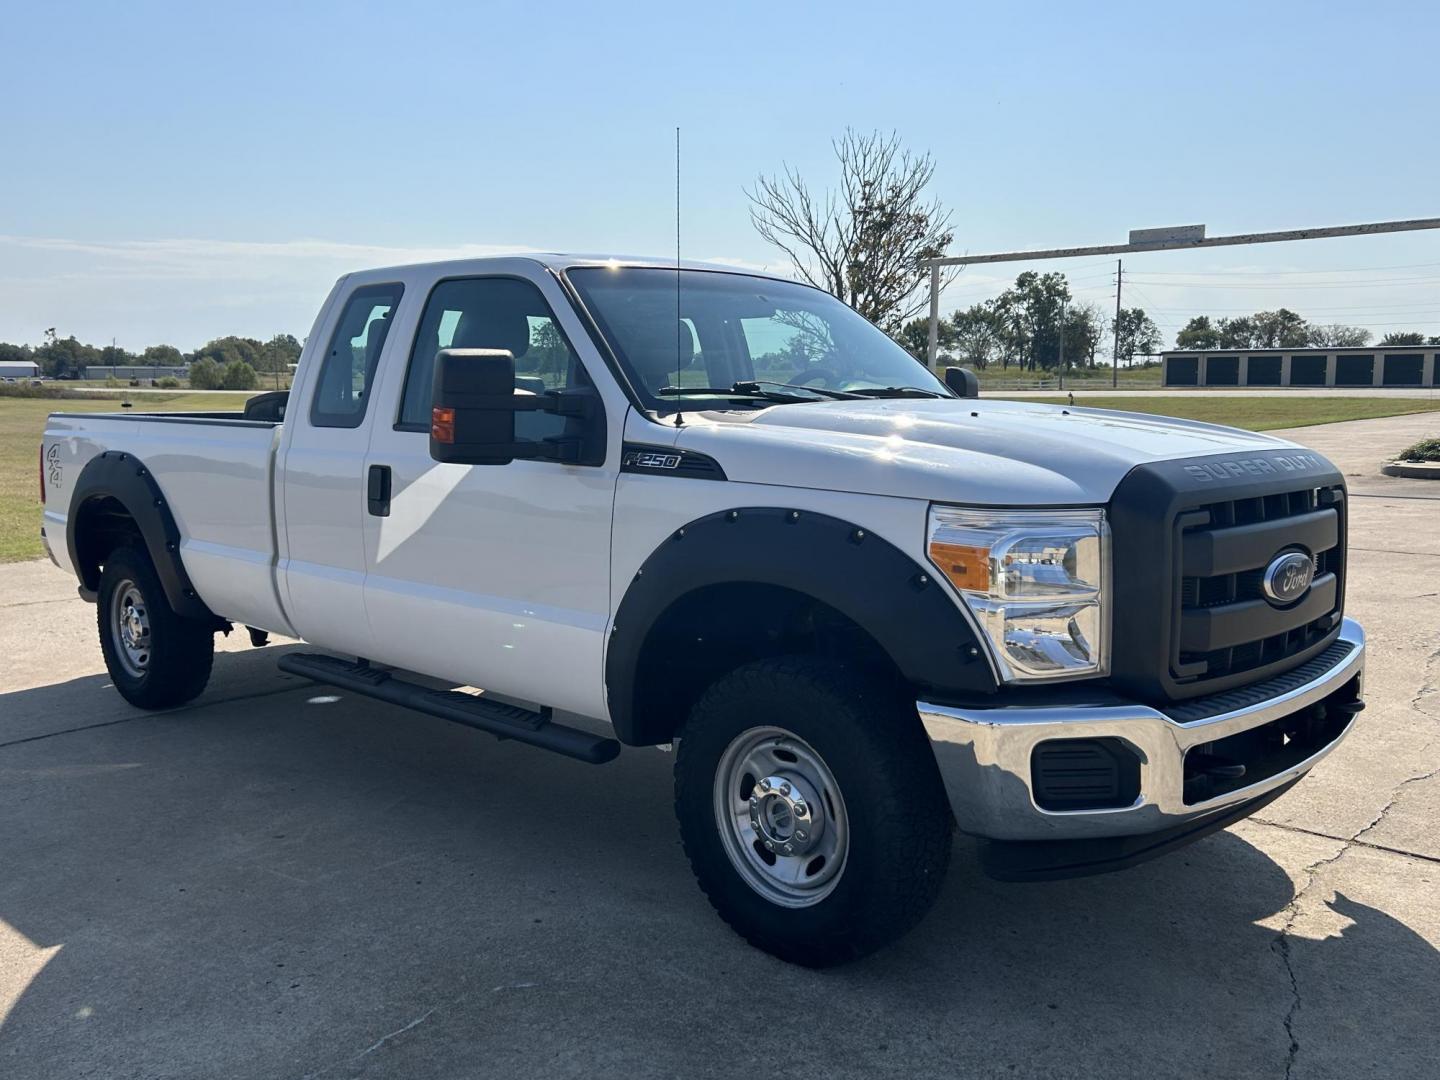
{"type": "Point", "coordinates": [156, 657]}
{"type": "Point", "coordinates": [811, 809]}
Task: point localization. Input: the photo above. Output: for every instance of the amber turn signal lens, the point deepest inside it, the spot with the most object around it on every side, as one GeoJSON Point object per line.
{"type": "Point", "coordinates": [967, 566]}
{"type": "Point", "coordinates": [442, 425]}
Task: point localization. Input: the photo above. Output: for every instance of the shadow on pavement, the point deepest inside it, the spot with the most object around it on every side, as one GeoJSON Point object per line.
{"type": "Point", "coordinates": [293, 885]}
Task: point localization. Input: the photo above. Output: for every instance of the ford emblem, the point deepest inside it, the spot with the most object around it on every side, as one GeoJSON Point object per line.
{"type": "Point", "coordinates": [1288, 577]}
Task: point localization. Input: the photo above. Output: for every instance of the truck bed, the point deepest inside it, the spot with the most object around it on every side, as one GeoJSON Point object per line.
{"type": "Point", "coordinates": [217, 473]}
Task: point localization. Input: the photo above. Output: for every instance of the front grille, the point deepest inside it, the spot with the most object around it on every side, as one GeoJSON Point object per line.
{"type": "Point", "coordinates": [1228, 626]}
{"type": "Point", "coordinates": [1191, 539]}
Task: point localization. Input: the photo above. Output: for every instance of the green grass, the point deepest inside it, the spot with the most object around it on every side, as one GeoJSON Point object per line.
{"type": "Point", "coordinates": [22, 421]}
{"type": "Point", "coordinates": [1258, 413]}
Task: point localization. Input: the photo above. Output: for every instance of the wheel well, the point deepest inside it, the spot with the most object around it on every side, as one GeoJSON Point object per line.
{"type": "Point", "coordinates": [102, 524]}
{"type": "Point", "coordinates": [716, 628]}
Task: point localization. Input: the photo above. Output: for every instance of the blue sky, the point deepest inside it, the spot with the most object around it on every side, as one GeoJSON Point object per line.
{"type": "Point", "coordinates": [176, 172]}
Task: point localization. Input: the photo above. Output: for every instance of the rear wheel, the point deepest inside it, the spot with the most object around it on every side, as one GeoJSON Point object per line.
{"type": "Point", "coordinates": [811, 809]}
{"type": "Point", "coordinates": [156, 658]}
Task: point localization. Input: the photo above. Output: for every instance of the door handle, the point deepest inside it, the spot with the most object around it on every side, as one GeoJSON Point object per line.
{"type": "Point", "coordinates": [377, 490]}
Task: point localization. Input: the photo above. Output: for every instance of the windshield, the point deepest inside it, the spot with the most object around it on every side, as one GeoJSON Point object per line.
{"type": "Point", "coordinates": [732, 328]}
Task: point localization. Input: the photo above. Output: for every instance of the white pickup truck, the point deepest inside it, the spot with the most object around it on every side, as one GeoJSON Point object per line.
{"type": "Point", "coordinates": [720, 511]}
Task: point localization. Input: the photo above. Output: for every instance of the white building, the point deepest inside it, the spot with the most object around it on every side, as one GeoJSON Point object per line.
{"type": "Point", "coordinates": [19, 369]}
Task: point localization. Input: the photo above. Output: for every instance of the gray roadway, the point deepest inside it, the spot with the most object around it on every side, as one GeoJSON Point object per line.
{"type": "Point", "coordinates": [270, 883]}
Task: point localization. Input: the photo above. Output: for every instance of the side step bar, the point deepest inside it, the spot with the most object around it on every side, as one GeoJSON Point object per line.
{"type": "Point", "coordinates": [500, 720]}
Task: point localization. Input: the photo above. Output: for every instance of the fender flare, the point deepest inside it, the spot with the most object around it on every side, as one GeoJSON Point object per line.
{"type": "Point", "coordinates": [121, 476]}
{"type": "Point", "coordinates": [862, 576]}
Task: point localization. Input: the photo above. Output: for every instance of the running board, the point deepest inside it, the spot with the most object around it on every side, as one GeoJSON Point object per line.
{"type": "Point", "coordinates": [500, 720]}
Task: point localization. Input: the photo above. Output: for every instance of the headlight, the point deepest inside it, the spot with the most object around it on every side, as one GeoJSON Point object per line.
{"type": "Point", "coordinates": [1035, 580]}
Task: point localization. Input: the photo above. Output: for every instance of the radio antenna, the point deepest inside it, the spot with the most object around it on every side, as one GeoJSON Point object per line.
{"type": "Point", "coordinates": [679, 418]}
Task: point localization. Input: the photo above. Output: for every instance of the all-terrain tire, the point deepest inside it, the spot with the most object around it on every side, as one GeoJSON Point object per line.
{"type": "Point", "coordinates": [892, 801]}
{"type": "Point", "coordinates": [157, 659]}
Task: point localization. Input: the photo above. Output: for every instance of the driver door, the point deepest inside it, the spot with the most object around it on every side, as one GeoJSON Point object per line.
{"type": "Point", "coordinates": [494, 576]}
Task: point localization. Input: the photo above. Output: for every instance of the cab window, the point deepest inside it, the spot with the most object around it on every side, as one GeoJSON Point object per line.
{"type": "Point", "coordinates": [348, 368]}
{"type": "Point", "coordinates": [492, 313]}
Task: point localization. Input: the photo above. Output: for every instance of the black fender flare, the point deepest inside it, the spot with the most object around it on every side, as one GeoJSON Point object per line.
{"type": "Point", "coordinates": [862, 576]}
{"type": "Point", "coordinates": [118, 475]}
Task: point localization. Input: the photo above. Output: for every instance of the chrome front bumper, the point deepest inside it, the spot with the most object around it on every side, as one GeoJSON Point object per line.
{"type": "Point", "coordinates": [985, 757]}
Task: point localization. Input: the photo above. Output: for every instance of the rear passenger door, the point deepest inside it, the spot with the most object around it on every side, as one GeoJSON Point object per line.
{"type": "Point", "coordinates": [323, 568]}
{"type": "Point", "coordinates": [492, 575]}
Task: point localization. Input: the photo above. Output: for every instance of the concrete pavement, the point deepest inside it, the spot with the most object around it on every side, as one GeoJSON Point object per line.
{"type": "Point", "coordinates": [279, 881]}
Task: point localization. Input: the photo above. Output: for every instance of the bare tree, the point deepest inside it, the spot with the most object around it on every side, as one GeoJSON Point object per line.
{"type": "Point", "coordinates": [863, 243]}
{"type": "Point", "coordinates": [1339, 336]}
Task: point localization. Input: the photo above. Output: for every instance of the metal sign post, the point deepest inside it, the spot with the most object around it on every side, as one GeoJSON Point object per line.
{"type": "Point", "coordinates": [1172, 238]}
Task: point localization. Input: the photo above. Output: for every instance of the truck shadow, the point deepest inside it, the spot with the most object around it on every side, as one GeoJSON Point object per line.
{"type": "Point", "coordinates": [267, 886]}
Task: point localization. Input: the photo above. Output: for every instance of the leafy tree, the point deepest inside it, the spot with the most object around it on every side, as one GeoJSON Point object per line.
{"type": "Point", "coordinates": [1338, 336]}
{"type": "Point", "coordinates": [1199, 333]}
{"type": "Point", "coordinates": [224, 350]}
{"type": "Point", "coordinates": [61, 358]}
{"type": "Point", "coordinates": [277, 354]}
{"type": "Point", "coordinates": [547, 355]}
{"type": "Point", "coordinates": [238, 375]}
{"type": "Point", "coordinates": [206, 374]}
{"type": "Point", "coordinates": [1084, 327]}
{"type": "Point", "coordinates": [1403, 338]}
{"type": "Point", "coordinates": [1237, 333]}
{"type": "Point", "coordinates": [10, 354]}
{"type": "Point", "coordinates": [1282, 329]}
{"type": "Point", "coordinates": [1136, 334]}
{"type": "Point", "coordinates": [977, 335]}
{"type": "Point", "coordinates": [114, 356]}
{"type": "Point", "coordinates": [914, 338]}
{"type": "Point", "coordinates": [863, 243]}
{"type": "Point", "coordinates": [162, 356]}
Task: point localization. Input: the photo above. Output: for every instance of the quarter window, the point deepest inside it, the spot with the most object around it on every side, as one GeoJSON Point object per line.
{"type": "Point", "coordinates": [348, 368]}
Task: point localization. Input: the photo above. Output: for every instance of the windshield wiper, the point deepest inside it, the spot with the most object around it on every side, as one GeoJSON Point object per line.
{"type": "Point", "coordinates": [895, 392]}
{"type": "Point", "coordinates": [838, 395]}
{"type": "Point", "coordinates": [749, 390]}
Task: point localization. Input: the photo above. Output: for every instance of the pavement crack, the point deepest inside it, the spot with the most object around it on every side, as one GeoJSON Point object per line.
{"type": "Point", "coordinates": [145, 716]}
{"type": "Point", "coordinates": [1281, 943]}
{"type": "Point", "coordinates": [1281, 947]}
{"type": "Point", "coordinates": [378, 1043]}
{"type": "Point", "coordinates": [1301, 830]}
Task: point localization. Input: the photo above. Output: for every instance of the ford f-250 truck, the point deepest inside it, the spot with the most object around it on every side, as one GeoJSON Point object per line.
{"type": "Point", "coordinates": [721, 511]}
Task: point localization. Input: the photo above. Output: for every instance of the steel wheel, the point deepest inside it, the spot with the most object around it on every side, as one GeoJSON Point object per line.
{"type": "Point", "coordinates": [781, 817]}
{"type": "Point", "coordinates": [130, 628]}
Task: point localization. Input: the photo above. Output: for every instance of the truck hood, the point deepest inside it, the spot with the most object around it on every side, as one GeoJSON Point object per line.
{"type": "Point", "coordinates": [986, 452]}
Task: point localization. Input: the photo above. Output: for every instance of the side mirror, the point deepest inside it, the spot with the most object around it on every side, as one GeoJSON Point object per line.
{"type": "Point", "coordinates": [962, 381]}
{"type": "Point", "coordinates": [473, 407]}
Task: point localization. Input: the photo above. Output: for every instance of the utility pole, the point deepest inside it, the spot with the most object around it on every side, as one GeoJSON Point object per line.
{"type": "Point", "coordinates": [1115, 358]}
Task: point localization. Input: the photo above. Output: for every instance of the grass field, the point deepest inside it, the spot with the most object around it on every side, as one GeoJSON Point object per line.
{"type": "Point", "coordinates": [22, 420]}
{"type": "Point", "coordinates": [1260, 413]}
